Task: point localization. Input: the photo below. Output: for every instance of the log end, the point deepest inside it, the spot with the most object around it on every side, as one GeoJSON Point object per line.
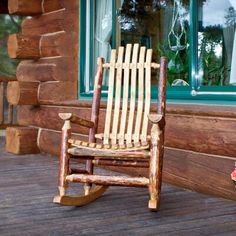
{"type": "Point", "coordinates": [13, 6]}
{"type": "Point", "coordinates": [22, 93]}
{"type": "Point", "coordinates": [12, 46]}
{"type": "Point", "coordinates": [24, 7]}
{"type": "Point", "coordinates": [21, 140]}
{"type": "Point", "coordinates": [13, 92]}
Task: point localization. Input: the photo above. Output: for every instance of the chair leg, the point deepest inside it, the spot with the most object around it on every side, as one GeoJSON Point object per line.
{"type": "Point", "coordinates": [89, 169]}
{"type": "Point", "coordinates": [64, 159]}
{"type": "Point", "coordinates": [155, 169]}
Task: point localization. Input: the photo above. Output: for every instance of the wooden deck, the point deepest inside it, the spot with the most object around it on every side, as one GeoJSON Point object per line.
{"type": "Point", "coordinates": [28, 184]}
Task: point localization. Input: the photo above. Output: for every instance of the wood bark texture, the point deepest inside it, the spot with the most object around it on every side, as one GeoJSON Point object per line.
{"type": "Point", "coordinates": [21, 140]}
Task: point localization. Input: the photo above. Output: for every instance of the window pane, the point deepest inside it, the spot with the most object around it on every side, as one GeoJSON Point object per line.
{"type": "Point", "coordinates": [162, 25]}
{"type": "Point", "coordinates": [217, 42]}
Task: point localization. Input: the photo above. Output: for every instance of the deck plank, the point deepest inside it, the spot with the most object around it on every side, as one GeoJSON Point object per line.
{"type": "Point", "coordinates": [28, 184]}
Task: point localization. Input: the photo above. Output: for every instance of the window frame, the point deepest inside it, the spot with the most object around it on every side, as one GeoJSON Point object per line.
{"type": "Point", "coordinates": [194, 92]}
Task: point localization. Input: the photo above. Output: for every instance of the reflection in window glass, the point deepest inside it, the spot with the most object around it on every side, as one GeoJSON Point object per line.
{"type": "Point", "coordinates": [162, 25]}
{"type": "Point", "coordinates": [217, 42]}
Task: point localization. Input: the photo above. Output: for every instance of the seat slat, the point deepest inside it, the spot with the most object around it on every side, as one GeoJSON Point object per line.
{"type": "Point", "coordinates": [82, 144]}
{"type": "Point", "coordinates": [117, 96]}
{"type": "Point", "coordinates": [147, 96]}
{"type": "Point", "coordinates": [125, 94]}
{"type": "Point", "coordinates": [132, 94]}
{"type": "Point", "coordinates": [140, 95]}
{"type": "Point", "coordinates": [110, 97]}
{"type": "Point", "coordinates": [110, 153]}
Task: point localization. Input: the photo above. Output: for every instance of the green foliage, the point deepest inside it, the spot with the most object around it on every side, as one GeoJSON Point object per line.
{"type": "Point", "coordinates": [178, 63]}
{"type": "Point", "coordinates": [213, 67]}
{"type": "Point", "coordinates": [8, 25]}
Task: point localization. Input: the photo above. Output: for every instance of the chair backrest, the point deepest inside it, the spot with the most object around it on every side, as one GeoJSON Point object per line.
{"type": "Point", "coordinates": [129, 96]}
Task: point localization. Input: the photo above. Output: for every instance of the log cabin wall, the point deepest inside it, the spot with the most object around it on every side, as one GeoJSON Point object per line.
{"type": "Point", "coordinates": [200, 139]}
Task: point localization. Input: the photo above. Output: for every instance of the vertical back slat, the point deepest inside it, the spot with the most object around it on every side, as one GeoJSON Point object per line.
{"type": "Point", "coordinates": [147, 95]}
{"type": "Point", "coordinates": [110, 97]}
{"type": "Point", "coordinates": [132, 94]}
{"type": "Point", "coordinates": [140, 96]}
{"type": "Point", "coordinates": [117, 95]}
{"type": "Point", "coordinates": [125, 94]}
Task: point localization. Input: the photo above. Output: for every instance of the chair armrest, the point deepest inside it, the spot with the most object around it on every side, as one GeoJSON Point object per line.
{"type": "Point", "coordinates": [76, 119]}
{"type": "Point", "coordinates": [157, 119]}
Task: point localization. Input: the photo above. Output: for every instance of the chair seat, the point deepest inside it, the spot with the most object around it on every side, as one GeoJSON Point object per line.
{"type": "Point", "coordinates": [81, 148]}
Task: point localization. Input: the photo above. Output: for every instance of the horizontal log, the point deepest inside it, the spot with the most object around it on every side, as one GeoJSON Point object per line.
{"type": "Point", "coordinates": [182, 131]}
{"type": "Point", "coordinates": [213, 135]}
{"type": "Point", "coordinates": [55, 21]}
{"type": "Point", "coordinates": [32, 7]}
{"type": "Point", "coordinates": [34, 47]}
{"type": "Point", "coordinates": [21, 140]}
{"type": "Point", "coordinates": [22, 93]}
{"type": "Point", "coordinates": [56, 45]}
{"type": "Point", "coordinates": [109, 180]}
{"type": "Point", "coordinates": [47, 69]}
{"type": "Point", "coordinates": [23, 46]}
{"type": "Point", "coordinates": [33, 93]}
{"type": "Point", "coordinates": [179, 109]}
{"type": "Point", "coordinates": [202, 110]}
{"type": "Point", "coordinates": [62, 91]}
{"type": "Point", "coordinates": [34, 71]}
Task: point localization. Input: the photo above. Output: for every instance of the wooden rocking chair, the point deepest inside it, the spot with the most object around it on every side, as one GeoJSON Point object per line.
{"type": "Point", "coordinates": [125, 140]}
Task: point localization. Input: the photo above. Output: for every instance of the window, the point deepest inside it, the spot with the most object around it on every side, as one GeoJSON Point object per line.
{"type": "Point", "coordinates": [197, 36]}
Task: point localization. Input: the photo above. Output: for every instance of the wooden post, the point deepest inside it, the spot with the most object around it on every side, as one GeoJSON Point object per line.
{"type": "Point", "coordinates": [161, 107]}
{"type": "Point", "coordinates": [95, 114]}
{"type": "Point", "coordinates": [64, 158]}
{"type": "Point", "coordinates": [22, 93]}
{"type": "Point", "coordinates": [155, 169]}
{"type": "Point", "coordinates": [22, 140]}
{"type": "Point", "coordinates": [157, 143]}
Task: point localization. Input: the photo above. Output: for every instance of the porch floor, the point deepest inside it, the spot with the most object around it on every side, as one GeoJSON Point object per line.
{"type": "Point", "coordinates": [28, 184]}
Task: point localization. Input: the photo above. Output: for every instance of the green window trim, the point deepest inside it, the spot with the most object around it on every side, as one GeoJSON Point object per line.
{"type": "Point", "coordinates": [194, 92]}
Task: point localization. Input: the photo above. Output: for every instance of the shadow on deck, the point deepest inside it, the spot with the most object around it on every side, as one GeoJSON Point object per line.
{"type": "Point", "coordinates": [28, 184]}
